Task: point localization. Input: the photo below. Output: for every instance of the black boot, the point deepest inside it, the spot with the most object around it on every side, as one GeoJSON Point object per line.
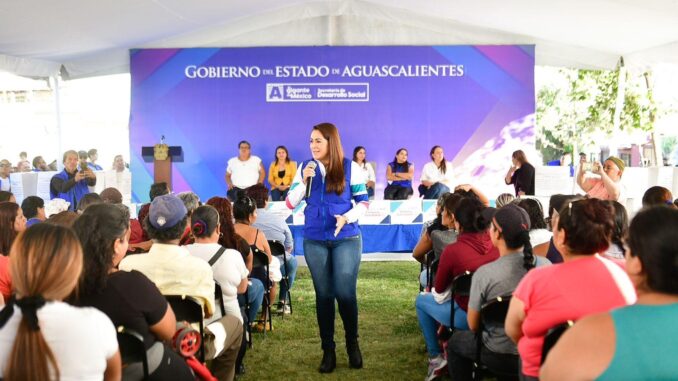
{"type": "Point", "coordinates": [355, 359]}
{"type": "Point", "coordinates": [329, 361]}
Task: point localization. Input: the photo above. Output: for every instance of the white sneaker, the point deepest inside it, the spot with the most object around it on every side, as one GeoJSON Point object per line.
{"type": "Point", "coordinates": [436, 367]}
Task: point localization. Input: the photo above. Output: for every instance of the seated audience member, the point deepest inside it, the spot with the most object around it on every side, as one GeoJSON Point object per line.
{"type": "Point", "coordinates": [87, 200]}
{"type": "Point", "coordinates": [438, 239]}
{"type": "Point", "coordinates": [5, 170]}
{"type": "Point", "coordinates": [556, 202]}
{"type": "Point", "coordinates": [33, 208]}
{"type": "Point", "coordinates": [119, 164]}
{"type": "Point", "coordinates": [157, 189]}
{"type": "Point", "coordinates": [275, 228]}
{"type": "Point", "coordinates": [608, 185]}
{"type": "Point", "coordinates": [244, 212]}
{"type": "Point", "coordinates": [41, 337]}
{"type": "Point", "coordinates": [472, 249]}
{"type": "Point", "coordinates": [227, 264]}
{"type": "Point", "coordinates": [129, 298]}
{"type": "Point", "coordinates": [657, 195]}
{"type": "Point", "coordinates": [281, 173]}
{"type": "Point", "coordinates": [584, 284]}
{"type": "Point", "coordinates": [7, 196]}
{"type": "Point", "coordinates": [399, 174]}
{"type": "Point", "coordinates": [175, 272]}
{"type": "Point", "coordinates": [621, 227]}
{"type": "Point", "coordinates": [39, 164]}
{"type": "Point", "coordinates": [93, 155]}
{"type": "Point", "coordinates": [436, 176]}
{"type": "Point", "coordinates": [539, 234]}
{"type": "Point", "coordinates": [469, 191]}
{"type": "Point", "coordinates": [360, 158]}
{"type": "Point", "coordinates": [23, 165]}
{"type": "Point", "coordinates": [12, 222]}
{"type": "Point", "coordinates": [111, 196]}
{"type": "Point", "coordinates": [436, 223]}
{"type": "Point", "coordinates": [65, 219]}
{"type": "Point", "coordinates": [191, 202]}
{"type": "Point", "coordinates": [509, 231]}
{"type": "Point", "coordinates": [521, 174]}
{"type": "Point", "coordinates": [504, 199]}
{"type": "Point", "coordinates": [71, 184]}
{"type": "Point", "coordinates": [230, 240]}
{"type": "Point", "coordinates": [635, 342]}
{"type": "Point", "coordinates": [243, 171]}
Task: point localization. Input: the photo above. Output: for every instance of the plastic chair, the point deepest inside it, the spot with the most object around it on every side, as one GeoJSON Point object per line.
{"type": "Point", "coordinates": [492, 313]}
{"type": "Point", "coordinates": [461, 286]}
{"type": "Point", "coordinates": [278, 249]}
{"type": "Point", "coordinates": [188, 308]}
{"type": "Point", "coordinates": [552, 337]}
{"type": "Point", "coordinates": [132, 348]}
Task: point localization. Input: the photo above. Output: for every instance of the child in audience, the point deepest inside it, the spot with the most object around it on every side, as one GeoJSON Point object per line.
{"type": "Point", "coordinates": [584, 284]}
{"type": "Point", "coordinates": [635, 342]}
{"type": "Point", "coordinates": [41, 337]}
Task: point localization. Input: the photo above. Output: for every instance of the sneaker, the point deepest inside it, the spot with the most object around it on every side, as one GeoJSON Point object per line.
{"type": "Point", "coordinates": [436, 368]}
{"type": "Point", "coordinates": [286, 309]}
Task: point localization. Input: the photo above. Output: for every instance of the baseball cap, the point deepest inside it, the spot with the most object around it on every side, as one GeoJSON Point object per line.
{"type": "Point", "coordinates": [166, 211]}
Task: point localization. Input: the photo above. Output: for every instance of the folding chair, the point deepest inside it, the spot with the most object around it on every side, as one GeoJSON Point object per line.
{"type": "Point", "coordinates": [188, 308]}
{"type": "Point", "coordinates": [461, 286]}
{"type": "Point", "coordinates": [132, 348]}
{"type": "Point", "coordinates": [552, 337]}
{"type": "Point", "coordinates": [278, 249]}
{"type": "Point", "coordinates": [492, 313]}
{"type": "Point", "coordinates": [260, 260]}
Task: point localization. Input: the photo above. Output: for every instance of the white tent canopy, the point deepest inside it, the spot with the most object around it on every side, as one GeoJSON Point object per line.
{"type": "Point", "coordinates": [87, 38]}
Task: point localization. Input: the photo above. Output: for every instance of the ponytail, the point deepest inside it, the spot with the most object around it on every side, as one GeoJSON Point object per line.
{"type": "Point", "coordinates": [528, 255]}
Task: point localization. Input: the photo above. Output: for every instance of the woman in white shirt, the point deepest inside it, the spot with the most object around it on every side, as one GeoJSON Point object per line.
{"type": "Point", "coordinates": [41, 337]}
{"type": "Point", "coordinates": [227, 264]}
{"type": "Point", "coordinates": [436, 176]}
{"type": "Point", "coordinates": [360, 157]}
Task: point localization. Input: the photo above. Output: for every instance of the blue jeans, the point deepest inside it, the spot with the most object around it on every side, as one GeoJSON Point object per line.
{"type": "Point", "coordinates": [429, 312]}
{"type": "Point", "coordinates": [277, 195]}
{"type": "Point", "coordinates": [255, 296]}
{"type": "Point", "coordinates": [290, 271]}
{"type": "Point", "coordinates": [334, 268]}
{"type": "Point", "coordinates": [434, 191]}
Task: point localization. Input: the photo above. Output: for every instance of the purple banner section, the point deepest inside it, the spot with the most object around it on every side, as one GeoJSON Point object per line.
{"type": "Point", "coordinates": [477, 102]}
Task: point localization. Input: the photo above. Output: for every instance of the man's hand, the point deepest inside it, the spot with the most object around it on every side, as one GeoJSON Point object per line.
{"type": "Point", "coordinates": [80, 176]}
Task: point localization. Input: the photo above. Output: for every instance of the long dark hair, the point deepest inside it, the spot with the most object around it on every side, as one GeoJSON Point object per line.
{"type": "Point", "coordinates": [534, 211]}
{"type": "Point", "coordinates": [243, 207]}
{"type": "Point", "coordinates": [588, 225]}
{"type": "Point", "coordinates": [98, 228]}
{"type": "Point", "coordinates": [287, 155]}
{"type": "Point", "coordinates": [442, 167]}
{"type": "Point", "coordinates": [334, 178]}
{"type": "Point", "coordinates": [8, 212]}
{"type": "Point", "coordinates": [522, 240]}
{"type": "Point", "coordinates": [406, 164]}
{"type": "Point", "coordinates": [621, 225]}
{"type": "Point", "coordinates": [469, 216]}
{"type": "Point", "coordinates": [520, 157]}
{"type": "Point", "coordinates": [228, 238]}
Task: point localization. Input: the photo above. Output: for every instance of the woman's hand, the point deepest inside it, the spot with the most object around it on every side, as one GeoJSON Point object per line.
{"type": "Point", "coordinates": [341, 221]}
{"type": "Point", "coordinates": [308, 172]}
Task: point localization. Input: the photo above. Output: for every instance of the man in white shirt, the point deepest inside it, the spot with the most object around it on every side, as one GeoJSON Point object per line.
{"type": "Point", "coordinates": [243, 171]}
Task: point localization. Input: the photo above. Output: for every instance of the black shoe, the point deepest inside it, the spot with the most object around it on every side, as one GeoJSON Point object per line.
{"type": "Point", "coordinates": [329, 361]}
{"type": "Point", "coordinates": [240, 369]}
{"type": "Point", "coordinates": [355, 359]}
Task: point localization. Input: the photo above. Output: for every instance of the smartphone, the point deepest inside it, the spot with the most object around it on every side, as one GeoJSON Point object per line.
{"type": "Point", "coordinates": [587, 167]}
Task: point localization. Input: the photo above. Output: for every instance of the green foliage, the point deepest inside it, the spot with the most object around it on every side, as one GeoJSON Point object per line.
{"type": "Point", "coordinates": [390, 339]}
{"type": "Point", "coordinates": [668, 145]}
{"type": "Point", "coordinates": [576, 106]}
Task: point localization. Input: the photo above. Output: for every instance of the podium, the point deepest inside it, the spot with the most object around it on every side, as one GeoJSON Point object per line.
{"type": "Point", "coordinates": [162, 167]}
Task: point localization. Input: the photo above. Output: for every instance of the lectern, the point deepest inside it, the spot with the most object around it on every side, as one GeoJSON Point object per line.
{"type": "Point", "coordinates": [162, 157]}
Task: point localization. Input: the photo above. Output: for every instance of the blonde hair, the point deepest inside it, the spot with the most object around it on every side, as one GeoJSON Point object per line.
{"type": "Point", "coordinates": [45, 263]}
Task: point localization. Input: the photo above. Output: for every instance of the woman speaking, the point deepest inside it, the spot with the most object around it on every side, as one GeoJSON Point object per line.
{"type": "Point", "coordinates": [332, 241]}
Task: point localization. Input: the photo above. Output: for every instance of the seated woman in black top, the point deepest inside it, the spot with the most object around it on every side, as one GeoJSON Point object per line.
{"type": "Point", "coordinates": [521, 174]}
{"type": "Point", "coordinates": [128, 298]}
{"type": "Point", "coordinates": [399, 174]}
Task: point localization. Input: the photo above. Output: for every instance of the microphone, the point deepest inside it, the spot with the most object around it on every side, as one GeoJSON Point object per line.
{"type": "Point", "coordinates": [309, 180]}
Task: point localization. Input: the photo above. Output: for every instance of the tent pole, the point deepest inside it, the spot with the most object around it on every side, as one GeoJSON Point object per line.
{"type": "Point", "coordinates": [621, 94]}
{"type": "Point", "coordinates": [57, 105]}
